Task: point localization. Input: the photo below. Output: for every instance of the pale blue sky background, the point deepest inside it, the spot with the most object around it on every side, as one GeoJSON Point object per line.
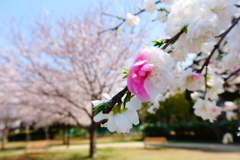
{"type": "Point", "coordinates": [25, 11]}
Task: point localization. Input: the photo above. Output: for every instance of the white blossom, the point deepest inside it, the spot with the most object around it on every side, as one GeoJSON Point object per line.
{"type": "Point", "coordinates": [167, 1]}
{"type": "Point", "coordinates": [121, 122]}
{"type": "Point", "coordinates": [229, 106]}
{"type": "Point", "coordinates": [162, 16]}
{"type": "Point", "coordinates": [200, 21]}
{"type": "Point", "coordinates": [183, 12]}
{"type": "Point", "coordinates": [132, 20]}
{"type": "Point", "coordinates": [216, 87]}
{"type": "Point", "coordinates": [150, 5]}
{"type": "Point", "coordinates": [178, 52]}
{"type": "Point", "coordinates": [233, 46]}
{"type": "Point", "coordinates": [214, 83]}
{"type": "Point", "coordinates": [206, 109]}
{"type": "Point", "coordinates": [231, 59]}
{"type": "Point", "coordinates": [191, 80]}
{"type": "Point", "coordinates": [224, 9]}
{"type": "Point", "coordinates": [195, 95]}
{"type": "Point", "coordinates": [231, 115]}
{"type": "Point", "coordinates": [227, 138]}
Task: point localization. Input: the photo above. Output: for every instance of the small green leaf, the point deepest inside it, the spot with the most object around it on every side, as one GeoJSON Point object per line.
{"type": "Point", "coordinates": [173, 42]}
{"type": "Point", "coordinates": [193, 101]}
{"type": "Point", "coordinates": [219, 57]}
{"type": "Point", "coordinates": [161, 9]}
{"type": "Point", "coordinates": [159, 43]}
{"type": "Point", "coordinates": [98, 108]}
{"type": "Point", "coordinates": [127, 98]}
{"type": "Point", "coordinates": [184, 29]}
{"type": "Point", "coordinates": [124, 76]}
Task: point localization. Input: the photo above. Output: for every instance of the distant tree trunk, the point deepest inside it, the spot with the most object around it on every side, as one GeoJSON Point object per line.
{"type": "Point", "coordinates": [93, 137]}
{"type": "Point", "coordinates": [27, 133]}
{"type": "Point", "coordinates": [2, 142]}
{"type": "Point", "coordinates": [4, 137]}
{"type": "Point", "coordinates": [46, 135]}
{"type": "Point", "coordinates": [64, 135]}
{"type": "Point", "coordinates": [5, 134]}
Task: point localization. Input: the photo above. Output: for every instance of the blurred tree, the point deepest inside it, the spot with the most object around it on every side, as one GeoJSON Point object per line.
{"type": "Point", "coordinates": [63, 66]}
{"type": "Point", "coordinates": [174, 109]}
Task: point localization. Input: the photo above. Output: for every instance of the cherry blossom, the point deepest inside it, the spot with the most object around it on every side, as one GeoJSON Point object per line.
{"type": "Point", "coordinates": [132, 20]}
{"type": "Point", "coordinates": [122, 121]}
{"type": "Point", "coordinates": [150, 5]}
{"type": "Point", "coordinates": [206, 109]}
{"type": "Point", "coordinates": [227, 138]}
{"type": "Point", "coordinates": [191, 80]}
{"type": "Point", "coordinates": [150, 74]}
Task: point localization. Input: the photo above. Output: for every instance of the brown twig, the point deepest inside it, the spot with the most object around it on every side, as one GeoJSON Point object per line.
{"type": "Point", "coordinates": [173, 39]}
{"type": "Point", "coordinates": [123, 20]}
{"type": "Point", "coordinates": [232, 74]}
{"type": "Point", "coordinates": [115, 100]}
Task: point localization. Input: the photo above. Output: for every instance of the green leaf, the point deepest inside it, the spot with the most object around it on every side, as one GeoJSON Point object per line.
{"type": "Point", "coordinates": [124, 76]}
{"type": "Point", "coordinates": [127, 98]}
{"type": "Point", "coordinates": [98, 108]}
{"type": "Point", "coordinates": [173, 42]}
{"type": "Point", "coordinates": [159, 43]}
{"type": "Point", "coordinates": [193, 101]}
{"type": "Point", "coordinates": [184, 29]}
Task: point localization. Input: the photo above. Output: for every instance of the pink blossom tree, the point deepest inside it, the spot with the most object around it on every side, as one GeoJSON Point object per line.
{"type": "Point", "coordinates": [63, 66]}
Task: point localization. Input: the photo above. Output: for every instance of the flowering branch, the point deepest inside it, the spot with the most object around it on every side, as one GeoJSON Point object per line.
{"type": "Point", "coordinates": [123, 20]}
{"type": "Point", "coordinates": [223, 35]}
{"type": "Point", "coordinates": [106, 14]}
{"type": "Point", "coordinates": [173, 39]}
{"type": "Point", "coordinates": [114, 100]}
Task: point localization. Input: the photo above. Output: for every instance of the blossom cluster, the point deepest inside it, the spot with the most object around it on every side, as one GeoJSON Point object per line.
{"type": "Point", "coordinates": [200, 27]}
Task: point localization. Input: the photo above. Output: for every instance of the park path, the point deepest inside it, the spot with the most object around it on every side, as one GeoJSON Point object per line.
{"type": "Point", "coordinates": [205, 146]}
{"type": "Point", "coordinates": [201, 146]}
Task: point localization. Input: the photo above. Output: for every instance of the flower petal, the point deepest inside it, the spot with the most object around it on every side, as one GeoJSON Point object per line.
{"type": "Point", "coordinates": [107, 96]}
{"type": "Point", "coordinates": [100, 116]}
{"type": "Point", "coordinates": [111, 125]}
{"type": "Point", "coordinates": [150, 89]}
{"type": "Point", "coordinates": [132, 117]}
{"type": "Point", "coordinates": [134, 104]}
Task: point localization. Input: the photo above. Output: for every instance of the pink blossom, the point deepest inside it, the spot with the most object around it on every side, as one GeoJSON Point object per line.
{"type": "Point", "coordinates": [196, 75]}
{"type": "Point", "coordinates": [150, 74]}
{"type": "Point", "coordinates": [138, 74]}
{"type": "Point", "coordinates": [235, 68]}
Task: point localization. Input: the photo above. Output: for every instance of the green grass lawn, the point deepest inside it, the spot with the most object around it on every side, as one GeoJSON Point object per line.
{"type": "Point", "coordinates": [128, 154]}
{"type": "Point", "coordinates": [74, 141]}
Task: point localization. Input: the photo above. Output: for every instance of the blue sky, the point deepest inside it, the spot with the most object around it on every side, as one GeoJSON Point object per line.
{"type": "Point", "coordinates": [25, 11]}
{"type": "Point", "coordinates": [22, 11]}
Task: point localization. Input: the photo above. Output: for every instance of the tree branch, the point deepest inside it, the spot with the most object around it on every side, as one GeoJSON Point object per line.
{"type": "Point", "coordinates": [223, 35]}
{"type": "Point", "coordinates": [173, 39]}
{"type": "Point", "coordinates": [232, 74]}
{"type": "Point", "coordinates": [123, 20]}
{"type": "Point", "coordinates": [115, 100]}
